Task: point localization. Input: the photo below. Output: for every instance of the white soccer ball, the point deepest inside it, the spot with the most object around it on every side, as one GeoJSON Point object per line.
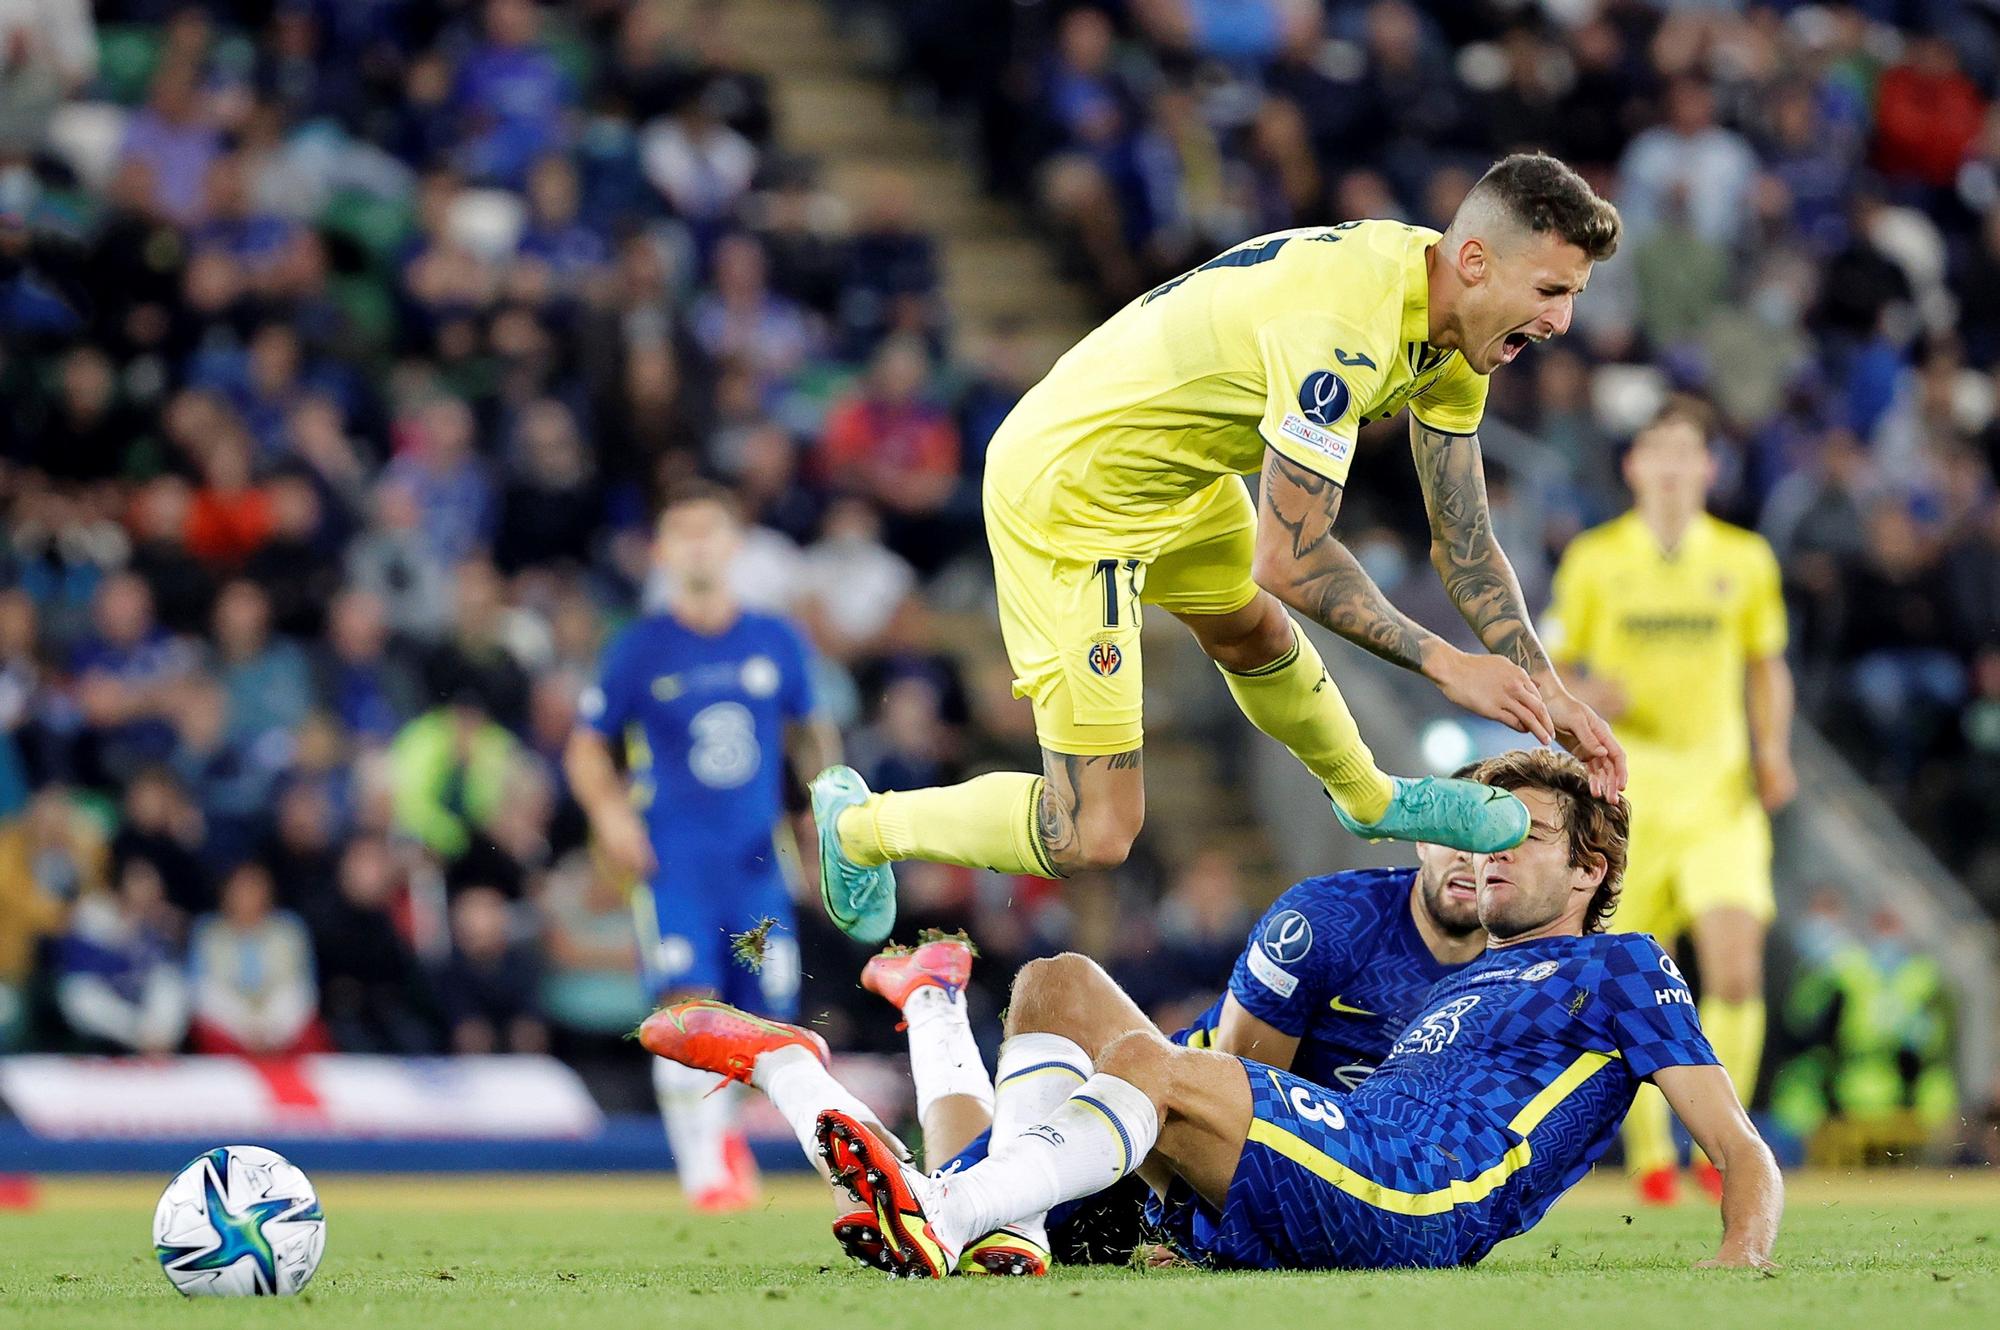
{"type": "Point", "coordinates": [240, 1221]}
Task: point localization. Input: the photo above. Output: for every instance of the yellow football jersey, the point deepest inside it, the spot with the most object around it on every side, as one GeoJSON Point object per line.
{"type": "Point", "coordinates": [1294, 339]}
{"type": "Point", "coordinates": [1676, 630]}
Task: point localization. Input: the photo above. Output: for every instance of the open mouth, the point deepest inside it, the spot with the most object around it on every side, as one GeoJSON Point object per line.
{"type": "Point", "coordinates": [1513, 345]}
{"type": "Point", "coordinates": [1461, 888]}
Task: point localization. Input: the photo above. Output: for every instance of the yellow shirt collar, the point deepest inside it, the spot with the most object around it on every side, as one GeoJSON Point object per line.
{"type": "Point", "coordinates": [1694, 540]}
{"type": "Point", "coordinates": [1417, 286]}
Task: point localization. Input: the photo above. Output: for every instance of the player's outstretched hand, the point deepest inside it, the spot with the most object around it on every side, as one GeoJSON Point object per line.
{"type": "Point", "coordinates": [1777, 781]}
{"type": "Point", "coordinates": [622, 836]}
{"type": "Point", "coordinates": [1585, 733]}
{"type": "Point", "coordinates": [1493, 687]}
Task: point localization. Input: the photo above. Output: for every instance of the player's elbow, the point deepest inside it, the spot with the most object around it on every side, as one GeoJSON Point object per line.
{"type": "Point", "coordinates": [1272, 569]}
{"type": "Point", "coordinates": [1441, 561]}
{"type": "Point", "coordinates": [1744, 1150]}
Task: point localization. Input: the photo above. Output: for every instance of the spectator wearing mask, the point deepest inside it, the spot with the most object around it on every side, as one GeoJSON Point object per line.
{"type": "Point", "coordinates": [394, 562]}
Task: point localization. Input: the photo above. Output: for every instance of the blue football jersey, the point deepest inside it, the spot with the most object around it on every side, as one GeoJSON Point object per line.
{"type": "Point", "coordinates": [1512, 1080]}
{"type": "Point", "coordinates": [1337, 962]}
{"type": "Point", "coordinates": [703, 722]}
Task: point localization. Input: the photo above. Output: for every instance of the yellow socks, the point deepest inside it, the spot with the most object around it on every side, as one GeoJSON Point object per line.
{"type": "Point", "coordinates": [1295, 701]}
{"type": "Point", "coordinates": [1736, 1031]}
{"type": "Point", "coordinates": [1649, 1133]}
{"type": "Point", "coordinates": [986, 822]}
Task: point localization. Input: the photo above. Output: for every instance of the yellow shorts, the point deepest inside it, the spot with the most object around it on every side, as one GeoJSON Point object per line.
{"type": "Point", "coordinates": [1069, 609]}
{"type": "Point", "coordinates": [1678, 871]}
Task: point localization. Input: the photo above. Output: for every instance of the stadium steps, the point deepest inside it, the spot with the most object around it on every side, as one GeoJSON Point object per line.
{"type": "Point", "coordinates": [832, 106]}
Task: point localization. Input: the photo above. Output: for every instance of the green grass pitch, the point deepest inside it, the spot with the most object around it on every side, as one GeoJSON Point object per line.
{"type": "Point", "coordinates": [1890, 1251]}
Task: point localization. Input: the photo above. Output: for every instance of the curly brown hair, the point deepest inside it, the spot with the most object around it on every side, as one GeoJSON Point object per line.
{"type": "Point", "coordinates": [1598, 828]}
{"type": "Point", "coordinates": [1543, 194]}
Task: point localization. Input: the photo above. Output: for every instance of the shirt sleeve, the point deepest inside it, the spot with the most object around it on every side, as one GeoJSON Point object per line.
{"type": "Point", "coordinates": [1653, 1017]}
{"type": "Point", "coordinates": [1566, 624]}
{"type": "Point", "coordinates": [795, 689]}
{"type": "Point", "coordinates": [1318, 374]}
{"type": "Point", "coordinates": [1764, 627]}
{"type": "Point", "coordinates": [1282, 993]}
{"type": "Point", "coordinates": [1456, 400]}
{"type": "Point", "coordinates": [610, 704]}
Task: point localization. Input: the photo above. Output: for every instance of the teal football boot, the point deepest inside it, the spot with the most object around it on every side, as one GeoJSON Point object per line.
{"type": "Point", "coordinates": [861, 901]}
{"type": "Point", "coordinates": [1440, 810]}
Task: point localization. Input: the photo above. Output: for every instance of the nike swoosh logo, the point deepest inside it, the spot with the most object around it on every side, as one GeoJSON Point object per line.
{"type": "Point", "coordinates": [1346, 1010]}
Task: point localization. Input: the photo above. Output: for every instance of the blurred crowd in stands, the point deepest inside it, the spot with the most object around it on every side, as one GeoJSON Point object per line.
{"type": "Point", "coordinates": [346, 346]}
{"type": "Point", "coordinates": [1811, 195]}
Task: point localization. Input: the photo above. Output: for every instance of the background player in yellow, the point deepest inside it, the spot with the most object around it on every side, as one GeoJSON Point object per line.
{"type": "Point", "coordinates": [1674, 622]}
{"type": "Point", "coordinates": [1118, 481]}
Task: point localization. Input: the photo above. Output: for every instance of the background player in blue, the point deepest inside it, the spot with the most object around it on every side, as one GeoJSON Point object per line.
{"type": "Point", "coordinates": [707, 699]}
{"type": "Point", "coordinates": [1328, 978]}
{"type": "Point", "coordinates": [1492, 1103]}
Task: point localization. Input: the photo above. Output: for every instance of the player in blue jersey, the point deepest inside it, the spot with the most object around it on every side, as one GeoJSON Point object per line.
{"type": "Point", "coordinates": [1492, 1103]}
{"type": "Point", "coordinates": [1329, 976]}
{"type": "Point", "coordinates": [706, 701]}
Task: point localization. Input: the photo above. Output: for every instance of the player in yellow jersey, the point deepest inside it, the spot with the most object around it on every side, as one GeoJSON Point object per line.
{"type": "Point", "coordinates": [1118, 481]}
{"type": "Point", "coordinates": [1674, 620]}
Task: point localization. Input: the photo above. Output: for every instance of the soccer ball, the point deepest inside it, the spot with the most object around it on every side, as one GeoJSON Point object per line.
{"type": "Point", "coordinates": [239, 1221]}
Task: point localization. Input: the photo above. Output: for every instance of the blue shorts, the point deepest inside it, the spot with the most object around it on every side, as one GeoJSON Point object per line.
{"type": "Point", "coordinates": [698, 902]}
{"type": "Point", "coordinates": [1287, 1207]}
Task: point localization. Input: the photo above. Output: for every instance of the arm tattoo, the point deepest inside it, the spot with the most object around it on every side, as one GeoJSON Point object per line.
{"type": "Point", "coordinates": [1061, 807]}
{"type": "Point", "coordinates": [1468, 559]}
{"type": "Point", "coordinates": [1323, 578]}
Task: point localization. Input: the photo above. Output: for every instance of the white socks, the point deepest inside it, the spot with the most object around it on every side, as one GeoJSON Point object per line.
{"type": "Point", "coordinates": [696, 1123]}
{"type": "Point", "coordinates": [1091, 1139]}
{"type": "Point", "coordinates": [801, 1089]}
{"type": "Point", "coordinates": [1037, 1072]}
{"type": "Point", "coordinates": [944, 1058]}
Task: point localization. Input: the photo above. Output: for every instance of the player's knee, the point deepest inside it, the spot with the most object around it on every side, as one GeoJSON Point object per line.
{"type": "Point", "coordinates": [1045, 990]}
{"type": "Point", "coordinates": [1742, 982]}
{"type": "Point", "coordinates": [1250, 639]}
{"type": "Point", "coordinates": [1104, 838]}
{"type": "Point", "coordinates": [1142, 1060]}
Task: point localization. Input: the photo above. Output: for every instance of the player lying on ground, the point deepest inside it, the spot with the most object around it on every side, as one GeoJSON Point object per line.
{"type": "Point", "coordinates": [1332, 973]}
{"type": "Point", "coordinates": [1118, 482]}
{"type": "Point", "coordinates": [1489, 1107]}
